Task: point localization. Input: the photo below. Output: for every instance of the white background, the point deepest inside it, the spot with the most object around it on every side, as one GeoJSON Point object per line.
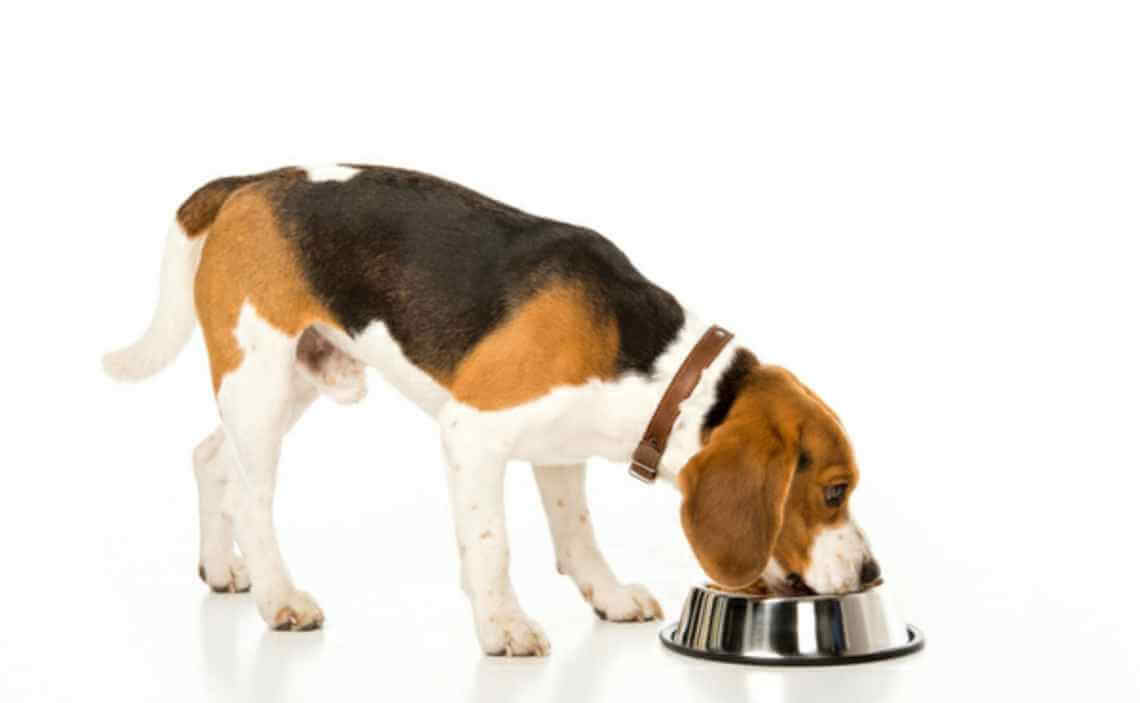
{"type": "Point", "coordinates": [927, 211]}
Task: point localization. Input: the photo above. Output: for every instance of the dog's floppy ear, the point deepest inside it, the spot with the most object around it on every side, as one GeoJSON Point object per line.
{"type": "Point", "coordinates": [733, 502]}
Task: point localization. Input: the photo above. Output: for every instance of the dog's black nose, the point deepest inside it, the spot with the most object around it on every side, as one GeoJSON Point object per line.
{"type": "Point", "coordinates": [870, 572]}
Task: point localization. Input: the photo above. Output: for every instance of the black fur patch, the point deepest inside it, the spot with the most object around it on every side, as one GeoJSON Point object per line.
{"type": "Point", "coordinates": [442, 265]}
{"type": "Point", "coordinates": [728, 388]}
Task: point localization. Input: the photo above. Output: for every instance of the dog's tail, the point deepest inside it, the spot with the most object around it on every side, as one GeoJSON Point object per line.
{"type": "Point", "coordinates": [174, 318]}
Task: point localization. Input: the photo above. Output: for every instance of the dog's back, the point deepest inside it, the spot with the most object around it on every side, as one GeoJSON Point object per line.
{"type": "Point", "coordinates": [440, 265]}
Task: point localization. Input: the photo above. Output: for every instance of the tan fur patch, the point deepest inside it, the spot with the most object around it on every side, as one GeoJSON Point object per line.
{"type": "Point", "coordinates": [247, 258]}
{"type": "Point", "coordinates": [553, 339]}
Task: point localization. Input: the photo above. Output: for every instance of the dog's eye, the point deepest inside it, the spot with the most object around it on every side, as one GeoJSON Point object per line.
{"type": "Point", "coordinates": [833, 494]}
{"type": "Point", "coordinates": [803, 462]}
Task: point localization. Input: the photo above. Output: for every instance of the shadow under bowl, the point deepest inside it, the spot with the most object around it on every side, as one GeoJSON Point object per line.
{"type": "Point", "coordinates": [809, 630]}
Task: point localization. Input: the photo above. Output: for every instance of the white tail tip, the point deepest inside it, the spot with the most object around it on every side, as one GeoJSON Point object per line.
{"type": "Point", "coordinates": [131, 364]}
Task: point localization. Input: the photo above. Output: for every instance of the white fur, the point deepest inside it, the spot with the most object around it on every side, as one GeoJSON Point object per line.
{"type": "Point", "coordinates": [774, 574]}
{"type": "Point", "coordinates": [174, 317]}
{"type": "Point", "coordinates": [376, 347]}
{"type": "Point", "coordinates": [330, 172]}
{"type": "Point", "coordinates": [836, 560]}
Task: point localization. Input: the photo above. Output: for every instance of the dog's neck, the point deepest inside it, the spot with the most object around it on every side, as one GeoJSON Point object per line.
{"type": "Point", "coordinates": [685, 440]}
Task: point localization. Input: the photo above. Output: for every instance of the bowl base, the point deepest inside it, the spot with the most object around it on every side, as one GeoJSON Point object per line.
{"type": "Point", "coordinates": [915, 643]}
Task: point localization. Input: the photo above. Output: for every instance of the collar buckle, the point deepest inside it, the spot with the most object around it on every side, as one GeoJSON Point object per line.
{"type": "Point", "coordinates": [643, 473]}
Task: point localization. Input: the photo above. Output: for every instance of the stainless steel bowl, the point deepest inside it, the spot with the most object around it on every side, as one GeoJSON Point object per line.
{"type": "Point", "coordinates": [811, 630]}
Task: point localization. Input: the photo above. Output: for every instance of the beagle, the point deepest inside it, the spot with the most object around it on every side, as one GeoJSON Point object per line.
{"type": "Point", "coordinates": [526, 339]}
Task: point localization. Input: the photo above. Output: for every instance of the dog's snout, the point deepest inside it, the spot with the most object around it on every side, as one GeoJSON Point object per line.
{"type": "Point", "coordinates": [870, 572]}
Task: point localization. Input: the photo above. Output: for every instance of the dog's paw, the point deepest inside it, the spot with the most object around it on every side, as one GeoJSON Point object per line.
{"type": "Point", "coordinates": [629, 603]}
{"type": "Point", "coordinates": [226, 575]}
{"type": "Point", "coordinates": [511, 634]}
{"type": "Point", "coordinates": [291, 611]}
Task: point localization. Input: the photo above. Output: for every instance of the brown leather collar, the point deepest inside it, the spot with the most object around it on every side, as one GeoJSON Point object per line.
{"type": "Point", "coordinates": [648, 454]}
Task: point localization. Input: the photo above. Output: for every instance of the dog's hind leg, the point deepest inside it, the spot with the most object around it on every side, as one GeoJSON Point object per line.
{"type": "Point", "coordinates": [259, 400]}
{"type": "Point", "coordinates": [218, 565]}
{"type": "Point", "coordinates": [563, 490]}
{"type": "Point", "coordinates": [332, 373]}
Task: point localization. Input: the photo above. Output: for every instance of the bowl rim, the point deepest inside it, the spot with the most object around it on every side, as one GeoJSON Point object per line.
{"type": "Point", "coordinates": [873, 589]}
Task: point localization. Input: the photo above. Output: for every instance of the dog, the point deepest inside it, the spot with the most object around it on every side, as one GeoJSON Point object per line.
{"type": "Point", "coordinates": [525, 338]}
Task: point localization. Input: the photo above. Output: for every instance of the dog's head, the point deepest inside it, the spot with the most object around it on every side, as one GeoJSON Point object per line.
{"type": "Point", "coordinates": [765, 502]}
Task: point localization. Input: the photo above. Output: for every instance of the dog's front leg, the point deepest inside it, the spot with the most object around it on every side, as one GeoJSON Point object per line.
{"type": "Point", "coordinates": [563, 490]}
{"type": "Point", "coordinates": [475, 479]}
